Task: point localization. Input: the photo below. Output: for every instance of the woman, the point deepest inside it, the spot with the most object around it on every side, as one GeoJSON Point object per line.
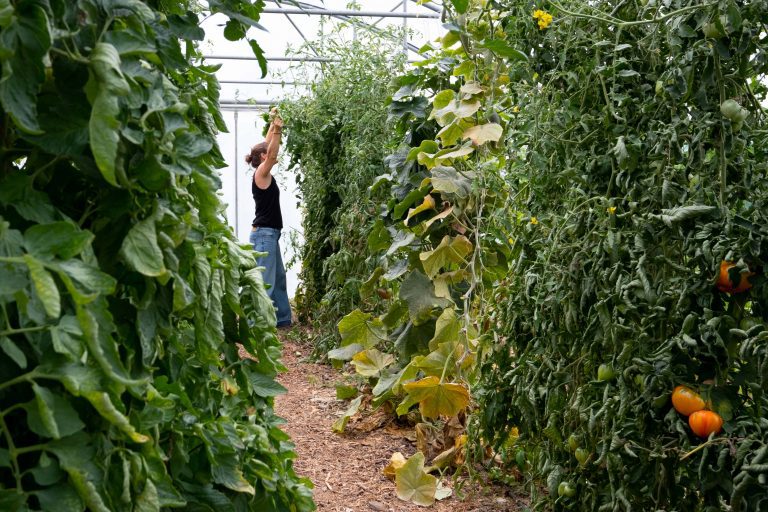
{"type": "Point", "coordinates": [268, 221]}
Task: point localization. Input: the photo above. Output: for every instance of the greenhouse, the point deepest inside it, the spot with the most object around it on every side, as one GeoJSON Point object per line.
{"type": "Point", "coordinates": [347, 256]}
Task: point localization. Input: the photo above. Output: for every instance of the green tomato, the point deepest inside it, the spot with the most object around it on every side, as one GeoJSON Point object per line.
{"type": "Point", "coordinates": [573, 442]}
{"type": "Point", "coordinates": [732, 111]}
{"type": "Point", "coordinates": [566, 489]}
{"type": "Point", "coordinates": [581, 455]}
{"type": "Point", "coordinates": [605, 372]}
{"type": "Point", "coordinates": [748, 322]}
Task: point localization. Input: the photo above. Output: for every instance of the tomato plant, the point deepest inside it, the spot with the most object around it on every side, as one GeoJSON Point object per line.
{"type": "Point", "coordinates": [338, 136]}
{"type": "Point", "coordinates": [122, 289]}
{"type": "Point", "coordinates": [636, 150]}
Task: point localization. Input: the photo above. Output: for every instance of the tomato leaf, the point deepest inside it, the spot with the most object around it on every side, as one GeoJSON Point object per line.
{"type": "Point", "coordinates": [51, 415]}
{"type": "Point", "coordinates": [25, 41]}
{"type": "Point", "coordinates": [13, 351]}
{"type": "Point", "coordinates": [104, 406]}
{"type": "Point", "coordinates": [141, 251]}
{"type": "Point", "coordinates": [501, 48]}
{"type": "Point", "coordinates": [61, 239]}
{"type": "Point", "coordinates": [45, 286]}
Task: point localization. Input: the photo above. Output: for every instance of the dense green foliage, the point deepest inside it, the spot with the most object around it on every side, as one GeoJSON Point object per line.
{"type": "Point", "coordinates": [632, 151]}
{"type": "Point", "coordinates": [572, 177]}
{"type": "Point", "coordinates": [122, 290]}
{"type": "Point", "coordinates": [337, 137]}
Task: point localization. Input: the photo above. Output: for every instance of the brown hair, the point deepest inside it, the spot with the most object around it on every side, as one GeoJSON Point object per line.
{"type": "Point", "coordinates": [256, 155]}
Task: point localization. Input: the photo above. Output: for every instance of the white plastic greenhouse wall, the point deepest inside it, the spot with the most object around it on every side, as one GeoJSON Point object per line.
{"type": "Point", "coordinates": [244, 101]}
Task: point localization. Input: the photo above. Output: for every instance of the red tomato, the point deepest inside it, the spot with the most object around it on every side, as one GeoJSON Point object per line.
{"type": "Point", "coordinates": [686, 401]}
{"type": "Point", "coordinates": [704, 423]}
{"type": "Point", "coordinates": [724, 283]}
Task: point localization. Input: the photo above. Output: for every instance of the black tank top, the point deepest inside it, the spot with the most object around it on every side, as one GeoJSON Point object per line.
{"type": "Point", "coordinates": [267, 206]}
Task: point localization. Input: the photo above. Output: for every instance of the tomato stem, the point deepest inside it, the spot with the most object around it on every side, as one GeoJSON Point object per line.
{"type": "Point", "coordinates": [704, 445]}
{"type": "Point", "coordinates": [12, 453]}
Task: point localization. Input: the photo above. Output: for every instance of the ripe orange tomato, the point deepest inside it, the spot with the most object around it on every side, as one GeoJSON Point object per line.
{"type": "Point", "coordinates": [724, 283]}
{"type": "Point", "coordinates": [686, 401]}
{"type": "Point", "coordinates": [704, 423]}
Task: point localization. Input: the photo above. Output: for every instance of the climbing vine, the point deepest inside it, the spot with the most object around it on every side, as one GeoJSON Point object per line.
{"type": "Point", "coordinates": [439, 244]}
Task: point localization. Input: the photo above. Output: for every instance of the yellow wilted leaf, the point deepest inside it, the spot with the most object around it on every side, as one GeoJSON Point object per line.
{"type": "Point", "coordinates": [427, 204]}
{"type": "Point", "coordinates": [395, 462]}
{"type": "Point", "coordinates": [445, 459]}
{"type": "Point", "coordinates": [445, 213]}
{"type": "Point", "coordinates": [414, 484]}
{"type": "Point", "coordinates": [450, 250]}
{"type": "Point", "coordinates": [436, 398]}
{"type": "Point", "coordinates": [472, 88]}
{"type": "Point", "coordinates": [461, 452]}
{"type": "Point", "coordinates": [369, 363]}
{"type": "Point", "coordinates": [482, 133]}
{"type": "Point", "coordinates": [514, 433]}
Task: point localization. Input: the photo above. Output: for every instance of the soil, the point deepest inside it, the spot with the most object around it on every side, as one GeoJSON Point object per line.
{"type": "Point", "coordinates": [347, 469]}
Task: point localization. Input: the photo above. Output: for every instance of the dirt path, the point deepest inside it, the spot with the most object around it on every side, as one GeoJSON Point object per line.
{"type": "Point", "coordinates": [347, 470]}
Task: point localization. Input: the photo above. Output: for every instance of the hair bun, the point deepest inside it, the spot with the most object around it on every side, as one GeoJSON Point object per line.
{"type": "Point", "coordinates": [248, 158]}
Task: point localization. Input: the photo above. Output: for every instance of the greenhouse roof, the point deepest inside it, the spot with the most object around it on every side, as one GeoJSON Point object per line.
{"type": "Point", "coordinates": [292, 35]}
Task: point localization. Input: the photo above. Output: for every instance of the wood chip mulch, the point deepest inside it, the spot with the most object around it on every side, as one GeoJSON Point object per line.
{"type": "Point", "coordinates": [347, 469]}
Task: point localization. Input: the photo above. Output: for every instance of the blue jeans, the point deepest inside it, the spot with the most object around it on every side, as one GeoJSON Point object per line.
{"type": "Point", "coordinates": [266, 240]}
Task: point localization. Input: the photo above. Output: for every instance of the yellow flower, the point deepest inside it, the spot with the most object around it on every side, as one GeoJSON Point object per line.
{"type": "Point", "coordinates": [611, 210]}
{"type": "Point", "coordinates": [515, 109]}
{"type": "Point", "coordinates": [544, 18]}
{"type": "Point", "coordinates": [534, 220]}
